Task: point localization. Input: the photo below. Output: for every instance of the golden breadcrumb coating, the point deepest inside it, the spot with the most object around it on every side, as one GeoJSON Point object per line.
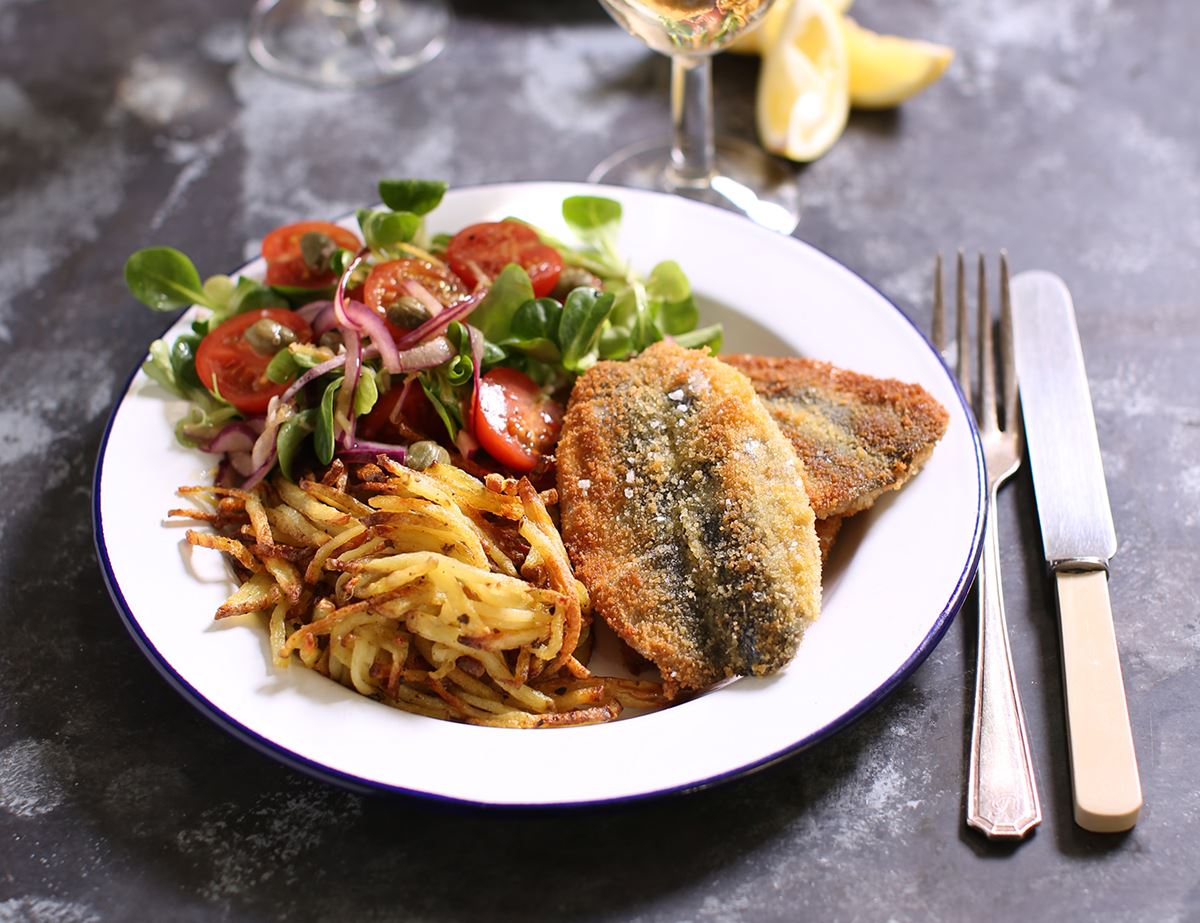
{"type": "Point", "coordinates": [685, 515]}
{"type": "Point", "coordinates": [827, 530]}
{"type": "Point", "coordinates": [857, 436]}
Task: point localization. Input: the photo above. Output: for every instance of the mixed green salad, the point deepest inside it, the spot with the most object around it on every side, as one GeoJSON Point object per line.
{"type": "Point", "coordinates": [392, 340]}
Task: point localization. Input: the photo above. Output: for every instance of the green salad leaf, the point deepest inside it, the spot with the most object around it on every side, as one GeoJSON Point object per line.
{"type": "Point", "coordinates": [443, 398]}
{"type": "Point", "coordinates": [710, 336]}
{"type": "Point", "coordinates": [678, 317]}
{"type": "Point", "coordinates": [382, 230]}
{"type": "Point", "coordinates": [667, 282]}
{"type": "Point", "coordinates": [323, 430]}
{"type": "Point", "coordinates": [534, 329]}
{"type": "Point", "coordinates": [159, 368]}
{"type": "Point", "coordinates": [591, 217]}
{"type": "Point", "coordinates": [366, 392]}
{"type": "Point", "coordinates": [252, 295]}
{"type": "Point", "coordinates": [291, 436]}
{"type": "Point", "coordinates": [228, 297]}
{"type": "Point", "coordinates": [461, 368]}
{"type": "Point", "coordinates": [583, 316]}
{"type": "Point", "coordinates": [183, 359]}
{"type": "Point", "coordinates": [219, 291]}
{"type": "Point", "coordinates": [538, 317]}
{"type": "Point", "coordinates": [493, 354]}
{"type": "Point", "coordinates": [615, 342]}
{"type": "Point", "coordinates": [419, 196]}
{"type": "Point", "coordinates": [341, 259]}
{"type": "Point", "coordinates": [510, 289]}
{"type": "Point", "coordinates": [297, 296]}
{"type": "Point", "coordinates": [204, 418]}
{"type": "Point", "coordinates": [164, 279]}
{"type": "Point", "coordinates": [283, 366]}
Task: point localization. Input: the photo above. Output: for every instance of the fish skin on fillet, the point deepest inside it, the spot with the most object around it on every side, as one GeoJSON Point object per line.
{"type": "Point", "coordinates": [685, 514]}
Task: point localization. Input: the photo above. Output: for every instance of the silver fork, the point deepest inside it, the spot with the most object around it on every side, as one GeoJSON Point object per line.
{"type": "Point", "coordinates": [1002, 798]}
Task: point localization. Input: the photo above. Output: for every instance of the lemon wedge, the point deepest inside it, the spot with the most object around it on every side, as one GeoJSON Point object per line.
{"type": "Point", "coordinates": [803, 90]}
{"type": "Point", "coordinates": [757, 40]}
{"type": "Point", "coordinates": [885, 70]}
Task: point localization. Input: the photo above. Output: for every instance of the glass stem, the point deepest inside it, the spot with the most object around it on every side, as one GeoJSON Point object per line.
{"type": "Point", "coordinates": [692, 148]}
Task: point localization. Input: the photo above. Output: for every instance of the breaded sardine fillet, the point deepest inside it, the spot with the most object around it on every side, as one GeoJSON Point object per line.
{"type": "Point", "coordinates": [685, 516]}
{"type": "Point", "coordinates": [857, 436]}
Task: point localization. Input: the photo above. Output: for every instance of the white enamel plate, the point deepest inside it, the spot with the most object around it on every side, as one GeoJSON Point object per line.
{"type": "Point", "coordinates": [897, 575]}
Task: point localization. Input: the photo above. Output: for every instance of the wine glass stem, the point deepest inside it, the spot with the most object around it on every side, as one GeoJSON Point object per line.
{"type": "Point", "coordinates": [692, 149]}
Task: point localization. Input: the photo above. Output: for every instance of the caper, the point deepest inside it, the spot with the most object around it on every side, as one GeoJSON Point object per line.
{"type": "Point", "coordinates": [571, 278]}
{"type": "Point", "coordinates": [422, 454]}
{"type": "Point", "coordinates": [330, 339]}
{"type": "Point", "coordinates": [408, 312]}
{"type": "Point", "coordinates": [267, 337]}
{"type": "Point", "coordinates": [316, 249]}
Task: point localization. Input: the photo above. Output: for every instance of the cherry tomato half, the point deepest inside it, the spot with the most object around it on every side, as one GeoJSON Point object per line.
{"type": "Point", "coordinates": [237, 367]}
{"type": "Point", "coordinates": [492, 245]}
{"type": "Point", "coordinates": [415, 417]}
{"type": "Point", "coordinates": [285, 261]}
{"type": "Point", "coordinates": [385, 286]}
{"type": "Point", "coordinates": [514, 422]}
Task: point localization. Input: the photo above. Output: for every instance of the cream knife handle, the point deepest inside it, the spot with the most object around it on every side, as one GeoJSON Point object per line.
{"type": "Point", "coordinates": [1108, 793]}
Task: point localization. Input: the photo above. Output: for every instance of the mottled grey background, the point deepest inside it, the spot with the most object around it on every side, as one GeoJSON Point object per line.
{"type": "Point", "coordinates": [1065, 131]}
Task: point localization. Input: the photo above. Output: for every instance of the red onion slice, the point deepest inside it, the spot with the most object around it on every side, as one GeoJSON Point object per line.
{"type": "Point", "coordinates": [278, 412]}
{"type": "Point", "coordinates": [410, 381]}
{"type": "Point", "coordinates": [240, 462]}
{"type": "Point", "coordinates": [426, 356]}
{"type": "Point", "coordinates": [349, 383]}
{"type": "Point", "coordinates": [238, 436]}
{"type": "Point", "coordinates": [361, 319]}
{"type": "Point", "coordinates": [260, 472]}
{"type": "Point", "coordinates": [339, 296]}
{"type": "Point", "coordinates": [325, 321]}
{"type": "Point", "coordinates": [315, 372]}
{"type": "Point", "coordinates": [313, 309]}
{"type": "Point", "coordinates": [468, 446]}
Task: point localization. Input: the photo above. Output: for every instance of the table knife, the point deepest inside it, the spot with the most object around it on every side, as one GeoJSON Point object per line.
{"type": "Point", "coordinates": [1078, 539]}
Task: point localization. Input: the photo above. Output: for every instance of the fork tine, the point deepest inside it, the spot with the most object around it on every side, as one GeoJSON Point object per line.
{"type": "Point", "coordinates": [939, 308]}
{"type": "Point", "coordinates": [961, 332]}
{"type": "Point", "coordinates": [1008, 362]}
{"type": "Point", "coordinates": [987, 357]}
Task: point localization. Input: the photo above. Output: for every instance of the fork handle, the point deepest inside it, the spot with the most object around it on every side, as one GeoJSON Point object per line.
{"type": "Point", "coordinates": [1104, 772]}
{"type": "Point", "coordinates": [1002, 798]}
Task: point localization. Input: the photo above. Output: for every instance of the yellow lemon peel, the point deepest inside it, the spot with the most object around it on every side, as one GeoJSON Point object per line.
{"type": "Point", "coordinates": [885, 70]}
{"type": "Point", "coordinates": [803, 90]}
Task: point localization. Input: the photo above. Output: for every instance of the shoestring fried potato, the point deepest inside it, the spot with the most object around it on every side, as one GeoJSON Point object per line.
{"type": "Point", "coordinates": [431, 590]}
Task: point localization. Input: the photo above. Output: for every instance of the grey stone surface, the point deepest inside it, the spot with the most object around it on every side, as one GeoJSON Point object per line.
{"type": "Point", "coordinates": [1067, 132]}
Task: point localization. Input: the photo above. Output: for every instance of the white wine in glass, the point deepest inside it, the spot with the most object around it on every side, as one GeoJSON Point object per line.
{"type": "Point", "coordinates": [729, 173]}
{"type": "Point", "coordinates": [342, 44]}
{"type": "Point", "coordinates": [687, 26]}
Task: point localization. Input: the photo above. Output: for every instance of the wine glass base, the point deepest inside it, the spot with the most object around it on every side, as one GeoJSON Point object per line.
{"type": "Point", "coordinates": [745, 180]}
{"type": "Point", "coordinates": [344, 44]}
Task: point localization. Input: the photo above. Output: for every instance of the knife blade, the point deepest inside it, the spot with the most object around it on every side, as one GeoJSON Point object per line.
{"type": "Point", "coordinates": [1060, 429]}
{"type": "Point", "coordinates": [1078, 539]}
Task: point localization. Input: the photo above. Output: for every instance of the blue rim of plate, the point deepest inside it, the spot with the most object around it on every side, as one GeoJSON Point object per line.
{"type": "Point", "coordinates": [368, 786]}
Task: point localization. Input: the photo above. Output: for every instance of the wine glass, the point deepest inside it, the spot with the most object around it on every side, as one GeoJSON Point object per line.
{"type": "Point", "coordinates": [343, 44]}
{"type": "Point", "coordinates": [727, 172]}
